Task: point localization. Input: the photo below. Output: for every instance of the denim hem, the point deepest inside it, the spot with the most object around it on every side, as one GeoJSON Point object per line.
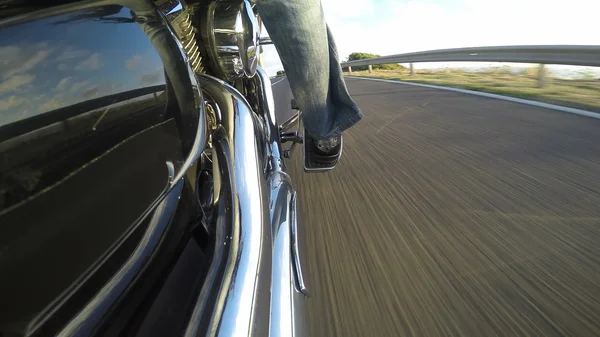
{"type": "Point", "coordinates": [341, 127]}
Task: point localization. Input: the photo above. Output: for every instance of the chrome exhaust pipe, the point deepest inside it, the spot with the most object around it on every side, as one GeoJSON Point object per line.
{"type": "Point", "coordinates": [243, 276]}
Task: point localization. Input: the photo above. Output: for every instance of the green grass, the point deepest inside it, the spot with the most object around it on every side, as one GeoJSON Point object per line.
{"type": "Point", "coordinates": [582, 94]}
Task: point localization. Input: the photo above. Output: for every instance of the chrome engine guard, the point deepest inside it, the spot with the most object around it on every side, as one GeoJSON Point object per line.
{"type": "Point", "coordinates": [256, 278]}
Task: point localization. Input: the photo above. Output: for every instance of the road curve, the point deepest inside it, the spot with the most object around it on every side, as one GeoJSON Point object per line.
{"type": "Point", "coordinates": [454, 215]}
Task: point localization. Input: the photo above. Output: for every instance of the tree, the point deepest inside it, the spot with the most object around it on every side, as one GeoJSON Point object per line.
{"type": "Point", "coordinates": [361, 56]}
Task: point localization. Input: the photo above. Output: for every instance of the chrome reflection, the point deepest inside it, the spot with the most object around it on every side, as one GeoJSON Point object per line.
{"type": "Point", "coordinates": [267, 110]}
{"type": "Point", "coordinates": [181, 21]}
{"type": "Point", "coordinates": [242, 303]}
{"type": "Point", "coordinates": [290, 122]}
{"type": "Point", "coordinates": [66, 62]}
{"type": "Point", "coordinates": [231, 34]}
{"type": "Point", "coordinates": [282, 281]}
{"type": "Point", "coordinates": [288, 305]}
{"type": "Point", "coordinates": [299, 249]}
{"type": "Point", "coordinates": [80, 84]}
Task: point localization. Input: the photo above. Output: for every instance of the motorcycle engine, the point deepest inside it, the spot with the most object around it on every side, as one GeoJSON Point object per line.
{"type": "Point", "coordinates": [219, 37]}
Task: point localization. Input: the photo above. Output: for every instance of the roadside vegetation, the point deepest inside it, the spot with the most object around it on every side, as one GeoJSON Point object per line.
{"type": "Point", "coordinates": [361, 56]}
{"type": "Point", "coordinates": [583, 93]}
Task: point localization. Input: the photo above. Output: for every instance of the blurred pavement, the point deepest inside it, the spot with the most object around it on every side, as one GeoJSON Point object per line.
{"type": "Point", "coordinates": [452, 214]}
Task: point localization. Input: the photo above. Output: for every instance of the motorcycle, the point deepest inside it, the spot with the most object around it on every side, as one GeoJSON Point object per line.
{"type": "Point", "coordinates": [143, 188]}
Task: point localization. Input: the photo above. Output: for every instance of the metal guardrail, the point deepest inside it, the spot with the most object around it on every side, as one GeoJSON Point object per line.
{"type": "Point", "coordinates": [563, 54]}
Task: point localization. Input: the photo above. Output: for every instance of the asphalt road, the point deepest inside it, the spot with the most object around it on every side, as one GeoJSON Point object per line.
{"type": "Point", "coordinates": [454, 215]}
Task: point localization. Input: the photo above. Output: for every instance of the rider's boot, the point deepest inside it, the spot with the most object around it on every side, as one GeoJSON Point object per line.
{"type": "Point", "coordinates": [321, 154]}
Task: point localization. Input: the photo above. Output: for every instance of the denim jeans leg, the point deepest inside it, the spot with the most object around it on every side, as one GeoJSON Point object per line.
{"type": "Point", "coordinates": [308, 53]}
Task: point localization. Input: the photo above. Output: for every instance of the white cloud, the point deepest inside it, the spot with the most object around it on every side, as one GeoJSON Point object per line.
{"type": "Point", "coordinates": [92, 62]}
{"type": "Point", "coordinates": [78, 86]}
{"type": "Point", "coordinates": [152, 78]}
{"type": "Point", "coordinates": [346, 9]}
{"type": "Point", "coordinates": [29, 63]}
{"type": "Point", "coordinates": [133, 62]}
{"type": "Point", "coordinates": [71, 53]}
{"type": "Point", "coordinates": [391, 27]}
{"type": "Point", "coordinates": [90, 92]}
{"type": "Point", "coordinates": [398, 27]}
{"type": "Point", "coordinates": [64, 84]}
{"type": "Point", "coordinates": [9, 54]}
{"type": "Point", "coordinates": [55, 103]}
{"type": "Point", "coordinates": [15, 82]}
{"type": "Point", "coordinates": [10, 102]}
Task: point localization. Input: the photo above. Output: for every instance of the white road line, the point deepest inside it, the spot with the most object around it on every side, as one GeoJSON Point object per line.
{"type": "Point", "coordinates": [485, 94]}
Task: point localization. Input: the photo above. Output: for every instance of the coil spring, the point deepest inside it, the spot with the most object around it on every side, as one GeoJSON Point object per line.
{"type": "Point", "coordinates": [189, 43]}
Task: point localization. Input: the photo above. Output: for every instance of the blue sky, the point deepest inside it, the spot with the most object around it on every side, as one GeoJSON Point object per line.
{"type": "Point", "coordinates": [40, 71]}
{"type": "Point", "coordinates": [45, 66]}
{"type": "Point", "coordinates": [396, 26]}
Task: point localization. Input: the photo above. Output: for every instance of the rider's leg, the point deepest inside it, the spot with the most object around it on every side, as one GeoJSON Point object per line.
{"type": "Point", "coordinates": [309, 56]}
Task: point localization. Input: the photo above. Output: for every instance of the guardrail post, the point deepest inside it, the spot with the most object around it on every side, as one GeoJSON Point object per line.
{"type": "Point", "coordinates": [350, 69]}
{"type": "Point", "coordinates": [370, 68]}
{"type": "Point", "coordinates": [542, 76]}
{"type": "Point", "coordinates": [412, 69]}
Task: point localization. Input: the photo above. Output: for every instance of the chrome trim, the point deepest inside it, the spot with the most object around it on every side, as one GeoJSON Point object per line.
{"type": "Point", "coordinates": [225, 211]}
{"type": "Point", "coordinates": [298, 246]}
{"type": "Point", "coordinates": [266, 101]}
{"type": "Point", "coordinates": [261, 49]}
{"type": "Point", "coordinates": [264, 40]}
{"type": "Point", "coordinates": [282, 280]}
{"type": "Point", "coordinates": [291, 136]}
{"type": "Point", "coordinates": [288, 304]}
{"type": "Point", "coordinates": [290, 122]}
{"type": "Point", "coordinates": [231, 34]}
{"type": "Point", "coordinates": [242, 302]}
{"type": "Point", "coordinates": [267, 110]}
{"type": "Point", "coordinates": [200, 142]}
